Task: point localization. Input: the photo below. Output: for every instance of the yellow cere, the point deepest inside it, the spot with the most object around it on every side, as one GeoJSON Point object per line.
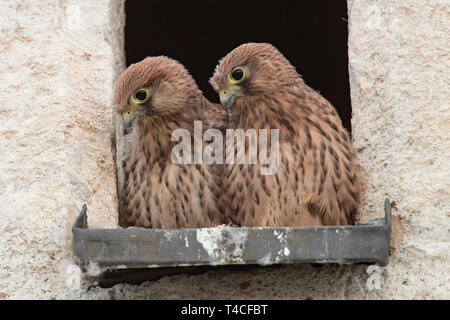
{"type": "Point", "coordinates": [127, 114]}
{"type": "Point", "coordinates": [130, 111]}
{"type": "Point", "coordinates": [223, 93]}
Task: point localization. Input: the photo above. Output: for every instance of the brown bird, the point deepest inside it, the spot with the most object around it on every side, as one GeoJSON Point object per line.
{"type": "Point", "coordinates": [317, 181]}
{"type": "Point", "coordinates": [155, 97]}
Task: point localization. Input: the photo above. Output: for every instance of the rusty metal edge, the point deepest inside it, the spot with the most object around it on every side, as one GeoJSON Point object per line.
{"type": "Point", "coordinates": [131, 248]}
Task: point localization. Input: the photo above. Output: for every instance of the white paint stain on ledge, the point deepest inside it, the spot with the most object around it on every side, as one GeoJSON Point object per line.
{"type": "Point", "coordinates": [284, 252]}
{"type": "Point", "coordinates": [208, 238]}
{"type": "Point", "coordinates": [223, 244]}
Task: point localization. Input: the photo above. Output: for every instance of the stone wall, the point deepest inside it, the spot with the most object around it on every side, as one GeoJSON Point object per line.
{"type": "Point", "coordinates": [59, 61]}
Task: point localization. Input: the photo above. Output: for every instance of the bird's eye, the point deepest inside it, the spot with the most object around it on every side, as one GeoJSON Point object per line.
{"type": "Point", "coordinates": [237, 75]}
{"type": "Point", "coordinates": [140, 96]}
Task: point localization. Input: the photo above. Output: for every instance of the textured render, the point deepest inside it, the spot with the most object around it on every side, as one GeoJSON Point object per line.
{"type": "Point", "coordinates": [58, 63]}
{"type": "Point", "coordinates": [56, 80]}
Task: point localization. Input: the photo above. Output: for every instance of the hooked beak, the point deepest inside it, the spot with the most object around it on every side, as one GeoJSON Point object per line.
{"type": "Point", "coordinates": [226, 98]}
{"type": "Point", "coordinates": [129, 120]}
{"type": "Point", "coordinates": [130, 114]}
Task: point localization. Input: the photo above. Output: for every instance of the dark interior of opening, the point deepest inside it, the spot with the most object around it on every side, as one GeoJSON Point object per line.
{"type": "Point", "coordinates": [311, 34]}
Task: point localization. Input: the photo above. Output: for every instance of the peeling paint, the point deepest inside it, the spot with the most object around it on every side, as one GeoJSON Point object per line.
{"type": "Point", "coordinates": [186, 241]}
{"type": "Point", "coordinates": [168, 235]}
{"type": "Point", "coordinates": [208, 238]}
{"type": "Point", "coordinates": [223, 244]}
{"type": "Point", "coordinates": [284, 250]}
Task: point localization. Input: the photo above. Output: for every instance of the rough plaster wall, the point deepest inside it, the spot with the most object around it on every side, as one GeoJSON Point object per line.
{"type": "Point", "coordinates": [58, 133]}
{"type": "Point", "coordinates": [399, 68]}
{"type": "Point", "coordinates": [58, 63]}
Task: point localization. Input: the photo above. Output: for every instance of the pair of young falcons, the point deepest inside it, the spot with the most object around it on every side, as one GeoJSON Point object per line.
{"type": "Point", "coordinates": [316, 182]}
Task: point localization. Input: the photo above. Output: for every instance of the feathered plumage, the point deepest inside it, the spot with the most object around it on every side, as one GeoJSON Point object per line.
{"type": "Point", "coordinates": [156, 97]}
{"type": "Point", "coordinates": [317, 180]}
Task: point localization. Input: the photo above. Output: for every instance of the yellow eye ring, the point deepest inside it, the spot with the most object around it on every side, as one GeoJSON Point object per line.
{"type": "Point", "coordinates": [237, 75]}
{"type": "Point", "coordinates": [140, 96]}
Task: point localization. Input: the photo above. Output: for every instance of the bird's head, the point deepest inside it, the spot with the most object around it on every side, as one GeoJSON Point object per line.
{"type": "Point", "coordinates": [251, 71]}
{"type": "Point", "coordinates": [154, 87]}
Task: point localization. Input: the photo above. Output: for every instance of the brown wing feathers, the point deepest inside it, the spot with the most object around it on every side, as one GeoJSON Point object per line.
{"type": "Point", "coordinates": [156, 192]}
{"type": "Point", "coordinates": [317, 181]}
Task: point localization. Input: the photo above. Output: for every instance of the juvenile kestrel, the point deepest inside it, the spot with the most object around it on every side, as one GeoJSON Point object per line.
{"type": "Point", "coordinates": [155, 97]}
{"type": "Point", "coordinates": [317, 181]}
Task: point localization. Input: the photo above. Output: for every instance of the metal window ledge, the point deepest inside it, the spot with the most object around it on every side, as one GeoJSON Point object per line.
{"type": "Point", "coordinates": [137, 253]}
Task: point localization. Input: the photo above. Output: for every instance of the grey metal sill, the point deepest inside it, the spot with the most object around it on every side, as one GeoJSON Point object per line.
{"type": "Point", "coordinates": [157, 252]}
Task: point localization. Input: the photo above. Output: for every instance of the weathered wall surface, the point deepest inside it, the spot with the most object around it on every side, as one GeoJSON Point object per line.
{"type": "Point", "coordinates": [59, 60]}
{"type": "Point", "coordinates": [58, 63]}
